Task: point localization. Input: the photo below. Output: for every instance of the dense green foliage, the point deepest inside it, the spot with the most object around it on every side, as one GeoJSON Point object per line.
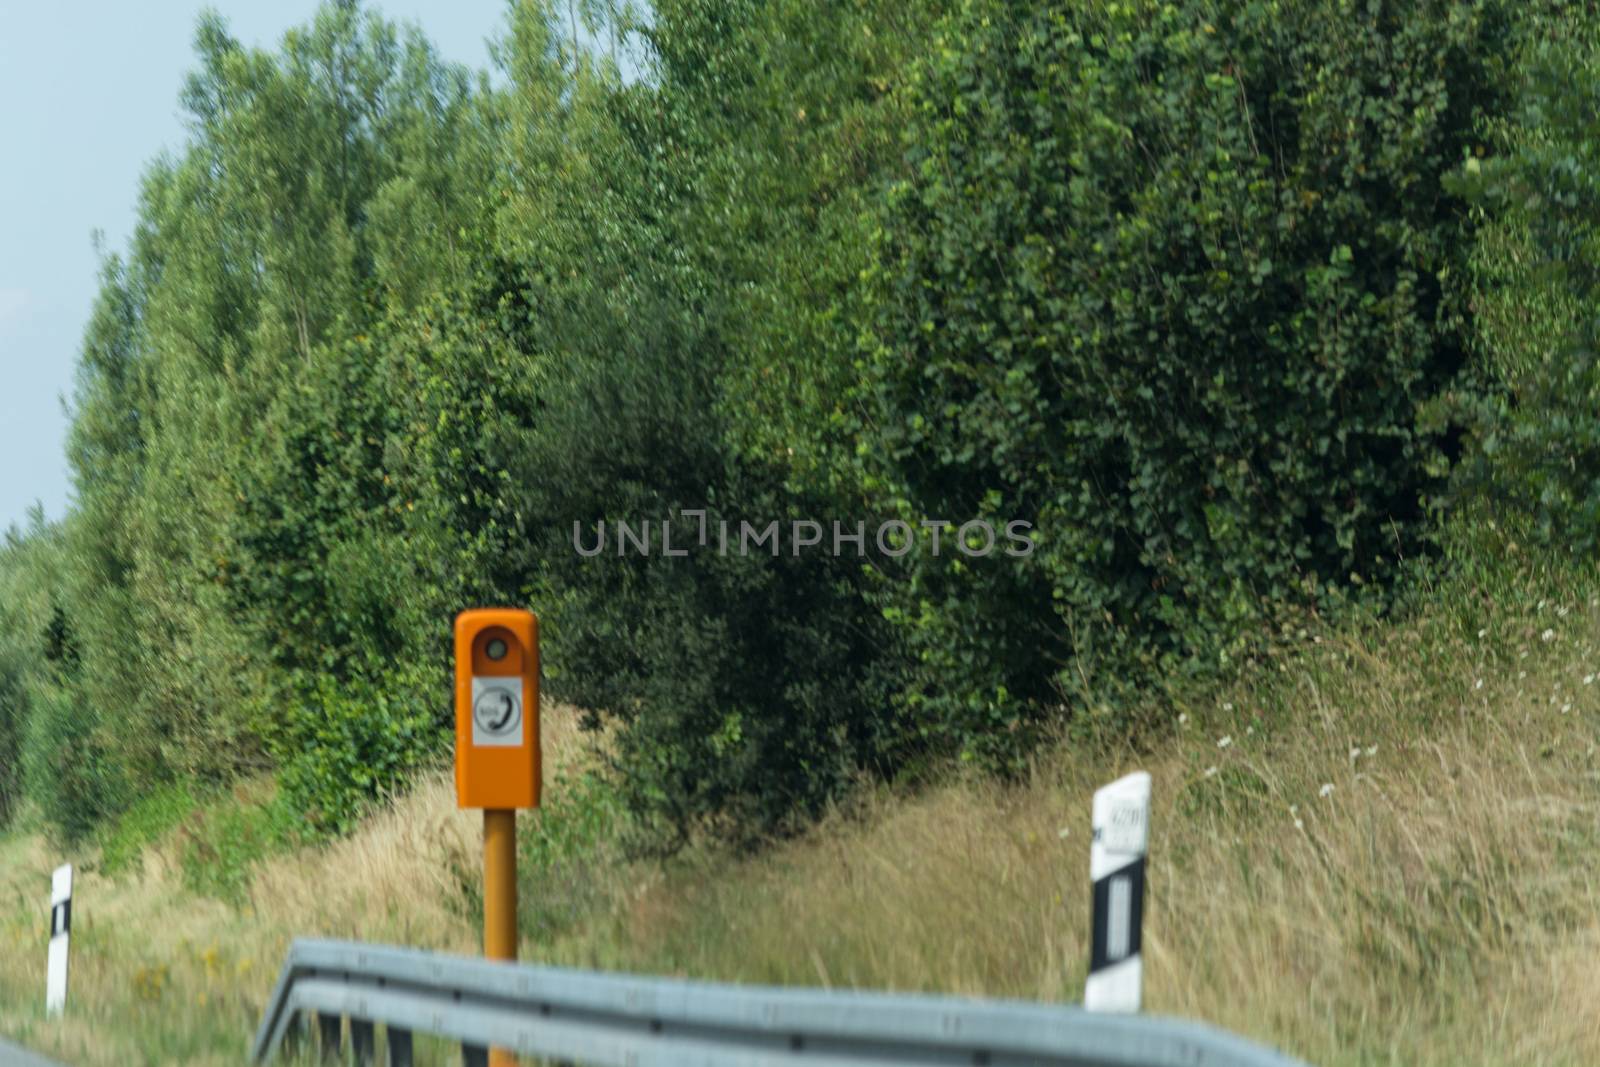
{"type": "Point", "coordinates": [1183, 286]}
{"type": "Point", "coordinates": [1537, 463]}
{"type": "Point", "coordinates": [25, 618]}
{"type": "Point", "coordinates": [748, 684]}
{"type": "Point", "coordinates": [1173, 283]}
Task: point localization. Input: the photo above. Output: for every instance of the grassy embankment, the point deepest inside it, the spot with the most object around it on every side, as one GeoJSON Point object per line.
{"type": "Point", "coordinates": [1378, 848]}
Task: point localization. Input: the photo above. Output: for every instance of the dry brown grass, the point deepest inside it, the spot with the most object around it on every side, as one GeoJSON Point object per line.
{"type": "Point", "coordinates": [160, 975]}
{"type": "Point", "coordinates": [1386, 863]}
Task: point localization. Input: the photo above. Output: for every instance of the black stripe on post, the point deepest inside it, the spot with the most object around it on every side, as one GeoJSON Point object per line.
{"type": "Point", "coordinates": [60, 918]}
{"type": "Point", "coordinates": [1118, 916]}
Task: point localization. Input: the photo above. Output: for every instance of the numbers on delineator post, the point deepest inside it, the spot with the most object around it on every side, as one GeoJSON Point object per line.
{"type": "Point", "coordinates": [1116, 868]}
{"type": "Point", "coordinates": [55, 987]}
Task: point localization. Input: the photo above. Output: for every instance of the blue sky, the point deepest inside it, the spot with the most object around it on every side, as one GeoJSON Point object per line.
{"type": "Point", "coordinates": [88, 96]}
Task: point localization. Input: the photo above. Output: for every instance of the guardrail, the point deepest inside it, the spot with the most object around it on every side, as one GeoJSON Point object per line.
{"type": "Point", "coordinates": [615, 1020]}
{"type": "Point", "coordinates": [12, 1056]}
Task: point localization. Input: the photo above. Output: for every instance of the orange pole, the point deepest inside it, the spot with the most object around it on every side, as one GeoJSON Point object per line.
{"type": "Point", "coordinates": [500, 897]}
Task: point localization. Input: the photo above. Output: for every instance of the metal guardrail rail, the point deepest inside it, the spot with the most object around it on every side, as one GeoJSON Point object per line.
{"type": "Point", "coordinates": [12, 1056]}
{"type": "Point", "coordinates": [615, 1020]}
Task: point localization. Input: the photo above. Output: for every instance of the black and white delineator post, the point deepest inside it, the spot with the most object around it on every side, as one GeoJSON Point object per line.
{"type": "Point", "coordinates": [1116, 866]}
{"type": "Point", "coordinates": [55, 989]}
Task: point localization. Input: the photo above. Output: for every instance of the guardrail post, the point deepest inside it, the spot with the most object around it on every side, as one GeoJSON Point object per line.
{"type": "Point", "coordinates": [474, 1056]}
{"type": "Point", "coordinates": [361, 1041]}
{"type": "Point", "coordinates": [293, 1033]}
{"type": "Point", "coordinates": [331, 1029]}
{"type": "Point", "coordinates": [399, 1045]}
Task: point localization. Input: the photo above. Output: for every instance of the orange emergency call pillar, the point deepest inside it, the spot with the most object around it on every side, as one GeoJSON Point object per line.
{"type": "Point", "coordinates": [497, 755]}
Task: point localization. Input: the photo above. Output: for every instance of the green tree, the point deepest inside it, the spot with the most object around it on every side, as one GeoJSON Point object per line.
{"type": "Point", "coordinates": [1534, 464]}
{"type": "Point", "coordinates": [325, 188]}
{"type": "Point", "coordinates": [1175, 284]}
{"type": "Point", "coordinates": [30, 594]}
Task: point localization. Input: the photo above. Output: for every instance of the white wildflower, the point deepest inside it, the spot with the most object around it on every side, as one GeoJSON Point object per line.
{"type": "Point", "coordinates": [1224, 742]}
{"type": "Point", "coordinates": [1211, 772]}
{"type": "Point", "coordinates": [1478, 684]}
{"type": "Point", "coordinates": [1588, 679]}
{"type": "Point", "coordinates": [1326, 790]}
{"type": "Point", "coordinates": [1548, 635]}
{"type": "Point", "coordinates": [1483, 632]}
{"type": "Point", "coordinates": [1372, 750]}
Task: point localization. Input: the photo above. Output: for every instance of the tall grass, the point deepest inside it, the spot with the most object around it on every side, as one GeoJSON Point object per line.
{"type": "Point", "coordinates": [163, 974]}
{"type": "Point", "coordinates": [1376, 848]}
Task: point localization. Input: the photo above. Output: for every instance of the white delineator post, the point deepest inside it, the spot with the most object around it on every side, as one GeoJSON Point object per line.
{"type": "Point", "coordinates": [1116, 866]}
{"type": "Point", "coordinates": [55, 995]}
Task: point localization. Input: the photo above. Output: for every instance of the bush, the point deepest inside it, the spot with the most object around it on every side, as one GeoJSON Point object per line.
{"type": "Point", "coordinates": [70, 765]}
{"type": "Point", "coordinates": [744, 685]}
{"type": "Point", "coordinates": [223, 841]}
{"type": "Point", "coordinates": [647, 225]}
{"type": "Point", "coordinates": [374, 518]}
{"type": "Point", "coordinates": [565, 853]}
{"type": "Point", "coordinates": [1535, 464]}
{"type": "Point", "coordinates": [142, 825]}
{"type": "Point", "coordinates": [1174, 283]}
{"type": "Point", "coordinates": [346, 744]}
{"type": "Point", "coordinates": [13, 720]}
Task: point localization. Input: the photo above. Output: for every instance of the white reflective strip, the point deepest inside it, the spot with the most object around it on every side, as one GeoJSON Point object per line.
{"type": "Point", "coordinates": [1119, 916]}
